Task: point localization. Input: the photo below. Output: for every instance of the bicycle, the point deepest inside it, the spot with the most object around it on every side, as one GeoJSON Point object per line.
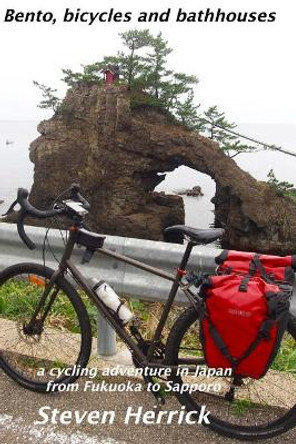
{"type": "Point", "coordinates": [39, 336]}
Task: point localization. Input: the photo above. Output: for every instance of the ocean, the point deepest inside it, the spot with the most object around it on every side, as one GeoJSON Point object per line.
{"type": "Point", "coordinates": [16, 170]}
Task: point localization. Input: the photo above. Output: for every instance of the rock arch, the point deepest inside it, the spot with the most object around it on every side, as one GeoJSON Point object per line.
{"type": "Point", "coordinates": [116, 147]}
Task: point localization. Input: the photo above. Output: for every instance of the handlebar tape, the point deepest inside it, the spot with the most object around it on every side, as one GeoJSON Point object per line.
{"type": "Point", "coordinates": [28, 210]}
{"type": "Point", "coordinates": [21, 231]}
{"type": "Point", "coordinates": [22, 198]}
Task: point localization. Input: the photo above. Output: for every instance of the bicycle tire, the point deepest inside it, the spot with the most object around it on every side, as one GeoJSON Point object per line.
{"type": "Point", "coordinates": [11, 361]}
{"type": "Point", "coordinates": [242, 432]}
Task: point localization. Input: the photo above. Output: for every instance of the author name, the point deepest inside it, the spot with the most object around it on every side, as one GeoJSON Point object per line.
{"type": "Point", "coordinates": [134, 415]}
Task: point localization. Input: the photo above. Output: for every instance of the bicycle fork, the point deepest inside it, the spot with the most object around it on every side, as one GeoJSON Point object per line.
{"type": "Point", "coordinates": [35, 325]}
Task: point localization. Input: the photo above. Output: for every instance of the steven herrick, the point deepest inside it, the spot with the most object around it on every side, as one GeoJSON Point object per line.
{"type": "Point", "coordinates": [135, 415]}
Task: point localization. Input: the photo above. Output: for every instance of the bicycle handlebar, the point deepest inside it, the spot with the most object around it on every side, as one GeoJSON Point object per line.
{"type": "Point", "coordinates": [21, 231]}
{"type": "Point", "coordinates": [27, 209]}
{"type": "Point", "coordinates": [22, 199]}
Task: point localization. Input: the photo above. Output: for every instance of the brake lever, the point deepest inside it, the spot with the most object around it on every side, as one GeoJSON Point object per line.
{"type": "Point", "coordinates": [77, 196]}
{"type": "Point", "coordinates": [10, 209]}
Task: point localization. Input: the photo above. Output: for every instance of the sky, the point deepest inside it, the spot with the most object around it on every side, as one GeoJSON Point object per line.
{"type": "Point", "coordinates": [248, 70]}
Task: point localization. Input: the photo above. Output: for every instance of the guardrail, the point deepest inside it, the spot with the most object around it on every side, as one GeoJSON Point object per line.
{"type": "Point", "coordinates": [126, 280]}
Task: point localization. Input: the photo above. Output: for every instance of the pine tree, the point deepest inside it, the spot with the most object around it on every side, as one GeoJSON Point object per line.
{"type": "Point", "coordinates": [155, 71]}
{"type": "Point", "coordinates": [132, 63]}
{"type": "Point", "coordinates": [281, 187]}
{"type": "Point", "coordinates": [216, 127]}
{"type": "Point", "coordinates": [50, 100]}
{"type": "Point", "coordinates": [90, 74]}
{"type": "Point", "coordinates": [186, 112]}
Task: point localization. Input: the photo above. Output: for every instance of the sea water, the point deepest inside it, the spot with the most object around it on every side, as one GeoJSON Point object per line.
{"type": "Point", "coordinates": [16, 170]}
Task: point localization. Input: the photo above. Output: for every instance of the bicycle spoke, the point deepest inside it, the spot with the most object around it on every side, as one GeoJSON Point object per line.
{"type": "Point", "coordinates": [28, 343]}
{"type": "Point", "coordinates": [273, 396]}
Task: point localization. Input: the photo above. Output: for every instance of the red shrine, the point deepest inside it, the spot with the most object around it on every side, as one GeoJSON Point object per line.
{"type": "Point", "coordinates": [111, 74]}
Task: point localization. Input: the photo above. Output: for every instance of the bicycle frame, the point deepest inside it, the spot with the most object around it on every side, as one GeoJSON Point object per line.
{"type": "Point", "coordinates": [67, 264]}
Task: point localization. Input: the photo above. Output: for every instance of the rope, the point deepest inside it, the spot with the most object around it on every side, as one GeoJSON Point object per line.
{"type": "Point", "coordinates": [265, 145]}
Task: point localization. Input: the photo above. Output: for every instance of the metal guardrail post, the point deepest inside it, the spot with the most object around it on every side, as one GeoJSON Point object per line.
{"type": "Point", "coordinates": [106, 337]}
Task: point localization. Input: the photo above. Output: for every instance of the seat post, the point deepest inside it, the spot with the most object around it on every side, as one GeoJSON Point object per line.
{"type": "Point", "coordinates": [186, 255]}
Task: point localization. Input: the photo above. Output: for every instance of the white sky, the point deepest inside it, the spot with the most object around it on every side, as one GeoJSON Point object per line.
{"type": "Point", "coordinates": [248, 70]}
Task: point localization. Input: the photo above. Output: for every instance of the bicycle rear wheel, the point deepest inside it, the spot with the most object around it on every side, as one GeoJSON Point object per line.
{"type": "Point", "coordinates": [57, 344]}
{"type": "Point", "coordinates": [259, 409]}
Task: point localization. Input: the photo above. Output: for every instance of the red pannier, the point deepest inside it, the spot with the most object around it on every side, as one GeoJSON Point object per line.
{"type": "Point", "coordinates": [245, 314]}
{"type": "Point", "coordinates": [274, 268]}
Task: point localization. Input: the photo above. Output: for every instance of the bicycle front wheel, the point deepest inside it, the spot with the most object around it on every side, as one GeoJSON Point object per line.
{"type": "Point", "coordinates": [250, 410]}
{"type": "Point", "coordinates": [41, 342]}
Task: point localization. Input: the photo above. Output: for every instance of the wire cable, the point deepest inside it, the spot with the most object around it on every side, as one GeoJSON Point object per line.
{"type": "Point", "coordinates": [251, 139]}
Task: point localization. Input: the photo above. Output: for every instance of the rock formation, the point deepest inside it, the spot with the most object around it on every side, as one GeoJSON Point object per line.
{"type": "Point", "coordinates": [117, 147]}
{"type": "Point", "coordinates": [195, 191]}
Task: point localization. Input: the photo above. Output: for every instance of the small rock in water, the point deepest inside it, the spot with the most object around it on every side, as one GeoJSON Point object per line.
{"type": "Point", "coordinates": [193, 192]}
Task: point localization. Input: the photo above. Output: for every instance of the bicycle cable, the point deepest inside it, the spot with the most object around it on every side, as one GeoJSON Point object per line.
{"type": "Point", "coordinates": [46, 240]}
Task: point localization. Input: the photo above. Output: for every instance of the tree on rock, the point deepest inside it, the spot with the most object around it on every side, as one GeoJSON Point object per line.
{"type": "Point", "coordinates": [155, 68]}
{"type": "Point", "coordinates": [49, 98]}
{"type": "Point", "coordinates": [187, 113]}
{"type": "Point", "coordinates": [214, 124]}
{"type": "Point", "coordinates": [143, 66]}
{"type": "Point", "coordinates": [132, 63]}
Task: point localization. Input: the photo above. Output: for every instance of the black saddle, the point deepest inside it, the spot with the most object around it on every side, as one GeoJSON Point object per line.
{"type": "Point", "coordinates": [198, 236]}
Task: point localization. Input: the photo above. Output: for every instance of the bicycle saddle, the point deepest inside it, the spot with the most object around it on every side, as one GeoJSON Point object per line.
{"type": "Point", "coordinates": [200, 236]}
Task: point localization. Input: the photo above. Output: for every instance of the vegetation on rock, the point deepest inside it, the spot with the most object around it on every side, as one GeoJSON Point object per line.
{"type": "Point", "coordinates": [49, 98]}
{"type": "Point", "coordinates": [214, 124]}
{"type": "Point", "coordinates": [144, 70]}
{"type": "Point", "coordinates": [283, 188]}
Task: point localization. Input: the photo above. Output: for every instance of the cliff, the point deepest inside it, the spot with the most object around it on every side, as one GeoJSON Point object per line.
{"type": "Point", "coordinates": [117, 149]}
